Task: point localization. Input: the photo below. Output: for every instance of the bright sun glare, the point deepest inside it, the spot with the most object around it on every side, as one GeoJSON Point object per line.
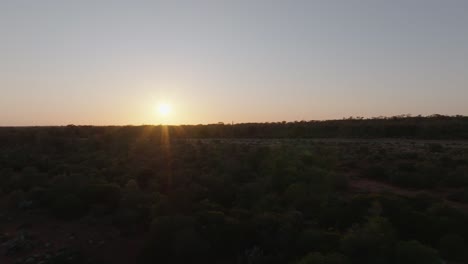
{"type": "Point", "coordinates": [164, 109]}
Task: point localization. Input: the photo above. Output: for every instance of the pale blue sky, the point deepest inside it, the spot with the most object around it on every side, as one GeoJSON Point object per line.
{"type": "Point", "coordinates": [111, 62]}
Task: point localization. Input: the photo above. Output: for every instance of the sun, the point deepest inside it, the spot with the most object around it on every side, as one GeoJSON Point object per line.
{"type": "Point", "coordinates": [164, 109]}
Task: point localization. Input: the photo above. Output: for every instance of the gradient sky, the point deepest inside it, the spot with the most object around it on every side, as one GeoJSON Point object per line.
{"type": "Point", "coordinates": [111, 62]}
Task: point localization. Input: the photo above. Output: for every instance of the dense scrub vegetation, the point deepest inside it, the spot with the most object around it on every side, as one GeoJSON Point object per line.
{"type": "Point", "coordinates": [430, 127]}
{"type": "Point", "coordinates": [247, 201]}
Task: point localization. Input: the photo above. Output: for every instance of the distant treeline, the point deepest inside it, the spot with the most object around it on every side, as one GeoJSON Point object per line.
{"type": "Point", "coordinates": [419, 127]}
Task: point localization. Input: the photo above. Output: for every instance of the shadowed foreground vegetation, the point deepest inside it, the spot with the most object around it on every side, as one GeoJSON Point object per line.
{"type": "Point", "coordinates": [186, 199]}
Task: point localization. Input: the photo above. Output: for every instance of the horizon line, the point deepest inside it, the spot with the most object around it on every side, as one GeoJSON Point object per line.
{"type": "Point", "coordinates": [401, 116]}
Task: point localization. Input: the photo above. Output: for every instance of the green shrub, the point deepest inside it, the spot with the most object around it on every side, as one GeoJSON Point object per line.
{"type": "Point", "coordinates": [69, 207]}
{"type": "Point", "coordinates": [377, 172]}
{"type": "Point", "coordinates": [372, 243]}
{"type": "Point", "coordinates": [410, 252]}
{"type": "Point", "coordinates": [174, 239]}
{"type": "Point", "coordinates": [318, 258]}
{"type": "Point", "coordinates": [453, 247]}
{"type": "Point", "coordinates": [107, 196]}
{"type": "Point", "coordinates": [461, 196]}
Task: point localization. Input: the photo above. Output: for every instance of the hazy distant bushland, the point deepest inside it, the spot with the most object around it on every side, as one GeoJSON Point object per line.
{"type": "Point", "coordinates": [431, 127]}
{"type": "Point", "coordinates": [225, 201]}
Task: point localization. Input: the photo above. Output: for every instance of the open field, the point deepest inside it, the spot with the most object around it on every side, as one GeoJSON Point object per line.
{"type": "Point", "coordinates": [120, 198]}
